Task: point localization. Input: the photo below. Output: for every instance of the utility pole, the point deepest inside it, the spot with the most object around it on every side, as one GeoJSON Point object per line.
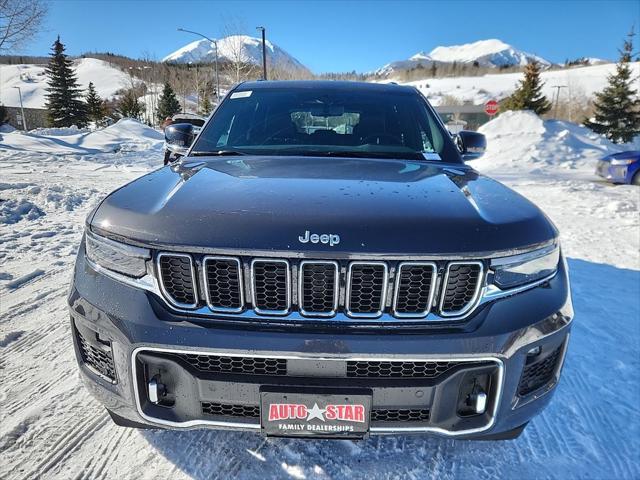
{"type": "Point", "coordinates": [215, 44]}
{"type": "Point", "coordinates": [555, 110]}
{"type": "Point", "coordinates": [264, 54]}
{"type": "Point", "coordinates": [24, 119]}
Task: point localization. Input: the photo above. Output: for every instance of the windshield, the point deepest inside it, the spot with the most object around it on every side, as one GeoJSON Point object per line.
{"type": "Point", "coordinates": [326, 121]}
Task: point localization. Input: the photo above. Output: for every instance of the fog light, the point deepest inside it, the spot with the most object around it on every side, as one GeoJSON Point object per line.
{"type": "Point", "coordinates": [479, 401]}
{"type": "Point", "coordinates": [156, 390]}
{"type": "Point", "coordinates": [535, 351]}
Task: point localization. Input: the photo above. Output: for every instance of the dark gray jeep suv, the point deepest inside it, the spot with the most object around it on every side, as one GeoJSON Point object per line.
{"type": "Point", "coordinates": [321, 262]}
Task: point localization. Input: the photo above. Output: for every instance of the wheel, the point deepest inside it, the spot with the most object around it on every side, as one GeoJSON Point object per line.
{"type": "Point", "coordinates": [636, 179]}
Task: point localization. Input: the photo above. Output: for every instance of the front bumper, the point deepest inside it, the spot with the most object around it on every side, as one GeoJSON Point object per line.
{"type": "Point", "coordinates": [144, 339]}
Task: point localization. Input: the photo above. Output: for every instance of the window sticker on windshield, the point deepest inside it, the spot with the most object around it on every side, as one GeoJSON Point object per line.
{"type": "Point", "coordinates": [431, 156]}
{"type": "Point", "coordinates": [245, 94]}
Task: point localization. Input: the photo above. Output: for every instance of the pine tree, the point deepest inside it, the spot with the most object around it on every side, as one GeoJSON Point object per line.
{"type": "Point", "coordinates": [64, 104]}
{"type": "Point", "coordinates": [168, 104]}
{"type": "Point", "coordinates": [207, 106]}
{"type": "Point", "coordinates": [617, 107]}
{"type": "Point", "coordinates": [129, 106]}
{"type": "Point", "coordinates": [528, 95]}
{"type": "Point", "coordinates": [95, 105]}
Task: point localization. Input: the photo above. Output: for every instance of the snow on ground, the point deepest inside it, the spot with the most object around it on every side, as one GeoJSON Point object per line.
{"type": "Point", "coordinates": [50, 427]}
{"type": "Point", "coordinates": [580, 82]}
{"type": "Point", "coordinates": [126, 134]}
{"type": "Point", "coordinates": [32, 81]}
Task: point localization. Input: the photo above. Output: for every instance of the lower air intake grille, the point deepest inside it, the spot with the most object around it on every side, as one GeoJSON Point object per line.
{"type": "Point", "coordinates": [226, 410]}
{"type": "Point", "coordinates": [98, 357]}
{"type": "Point", "coordinates": [385, 415]}
{"type": "Point", "coordinates": [271, 289]}
{"type": "Point", "coordinates": [539, 374]}
{"type": "Point", "coordinates": [461, 287]}
{"type": "Point", "coordinates": [223, 284]}
{"type": "Point", "coordinates": [367, 289]}
{"type": "Point", "coordinates": [398, 369]}
{"type": "Point", "coordinates": [178, 279]}
{"type": "Point", "coordinates": [241, 365]}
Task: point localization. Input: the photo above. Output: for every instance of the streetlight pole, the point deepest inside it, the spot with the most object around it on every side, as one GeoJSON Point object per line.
{"type": "Point", "coordinates": [264, 54]}
{"type": "Point", "coordinates": [24, 119]}
{"type": "Point", "coordinates": [215, 44]}
{"type": "Point", "coordinates": [555, 110]}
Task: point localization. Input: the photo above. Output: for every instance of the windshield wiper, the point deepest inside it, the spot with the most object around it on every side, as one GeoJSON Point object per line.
{"type": "Point", "coordinates": [217, 153]}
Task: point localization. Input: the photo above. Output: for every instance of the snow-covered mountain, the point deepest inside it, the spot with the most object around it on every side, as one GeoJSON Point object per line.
{"type": "Point", "coordinates": [491, 53]}
{"type": "Point", "coordinates": [234, 48]}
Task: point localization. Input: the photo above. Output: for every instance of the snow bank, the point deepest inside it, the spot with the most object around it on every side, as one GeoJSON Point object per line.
{"type": "Point", "coordinates": [521, 141]}
{"type": "Point", "coordinates": [125, 135]}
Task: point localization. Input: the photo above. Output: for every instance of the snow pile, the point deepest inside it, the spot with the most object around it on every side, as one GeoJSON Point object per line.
{"type": "Point", "coordinates": [32, 81]}
{"type": "Point", "coordinates": [125, 135]}
{"type": "Point", "coordinates": [234, 48]}
{"type": "Point", "coordinates": [521, 141]}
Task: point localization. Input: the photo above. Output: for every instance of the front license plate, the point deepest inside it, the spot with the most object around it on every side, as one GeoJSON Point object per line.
{"type": "Point", "coordinates": [310, 414]}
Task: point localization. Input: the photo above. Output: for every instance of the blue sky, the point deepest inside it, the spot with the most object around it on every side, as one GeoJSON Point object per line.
{"type": "Point", "coordinates": [337, 35]}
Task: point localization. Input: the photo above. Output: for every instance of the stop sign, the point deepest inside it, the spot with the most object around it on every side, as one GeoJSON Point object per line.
{"type": "Point", "coordinates": [491, 107]}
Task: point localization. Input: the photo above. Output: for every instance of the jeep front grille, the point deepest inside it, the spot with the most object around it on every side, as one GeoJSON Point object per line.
{"type": "Point", "coordinates": [177, 279]}
{"type": "Point", "coordinates": [320, 288]}
{"type": "Point", "coordinates": [540, 373]}
{"type": "Point", "coordinates": [461, 287]}
{"type": "Point", "coordinates": [271, 286]}
{"type": "Point", "coordinates": [366, 289]}
{"type": "Point", "coordinates": [239, 365]}
{"type": "Point", "coordinates": [98, 356]}
{"type": "Point", "coordinates": [223, 284]}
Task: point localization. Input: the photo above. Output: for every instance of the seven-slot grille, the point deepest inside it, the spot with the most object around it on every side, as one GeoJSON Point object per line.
{"type": "Point", "coordinates": [324, 288]}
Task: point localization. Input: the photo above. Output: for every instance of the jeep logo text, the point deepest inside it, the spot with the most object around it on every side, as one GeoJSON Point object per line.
{"type": "Point", "coordinates": [326, 238]}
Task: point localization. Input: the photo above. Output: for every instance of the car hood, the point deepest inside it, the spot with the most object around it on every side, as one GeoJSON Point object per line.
{"type": "Point", "coordinates": [375, 206]}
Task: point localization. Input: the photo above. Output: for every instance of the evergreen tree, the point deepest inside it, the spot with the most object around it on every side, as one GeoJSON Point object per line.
{"type": "Point", "coordinates": [617, 107]}
{"type": "Point", "coordinates": [168, 104]}
{"type": "Point", "coordinates": [528, 95]}
{"type": "Point", "coordinates": [207, 106]}
{"type": "Point", "coordinates": [64, 104]}
{"type": "Point", "coordinates": [129, 106]}
{"type": "Point", "coordinates": [95, 105]}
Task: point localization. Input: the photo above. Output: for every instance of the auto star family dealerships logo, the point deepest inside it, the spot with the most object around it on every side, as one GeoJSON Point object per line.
{"type": "Point", "coordinates": [298, 411]}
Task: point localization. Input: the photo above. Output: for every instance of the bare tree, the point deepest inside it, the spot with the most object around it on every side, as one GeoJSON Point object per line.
{"type": "Point", "coordinates": [20, 20]}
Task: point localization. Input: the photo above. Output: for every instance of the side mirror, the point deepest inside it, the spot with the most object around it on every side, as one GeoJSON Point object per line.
{"type": "Point", "coordinates": [472, 145]}
{"type": "Point", "coordinates": [179, 137]}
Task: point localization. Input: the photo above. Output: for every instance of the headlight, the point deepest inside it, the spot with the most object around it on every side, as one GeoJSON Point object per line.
{"type": "Point", "coordinates": [526, 268]}
{"type": "Point", "coordinates": [117, 257]}
{"type": "Point", "coordinates": [622, 161]}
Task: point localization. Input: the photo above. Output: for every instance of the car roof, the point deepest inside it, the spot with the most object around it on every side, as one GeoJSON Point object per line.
{"type": "Point", "coordinates": [325, 85]}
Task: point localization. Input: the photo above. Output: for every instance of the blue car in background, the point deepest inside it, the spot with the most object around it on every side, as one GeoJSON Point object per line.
{"type": "Point", "coordinates": [621, 167]}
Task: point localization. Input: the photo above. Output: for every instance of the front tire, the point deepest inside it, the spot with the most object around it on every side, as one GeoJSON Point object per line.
{"type": "Point", "coordinates": [636, 179]}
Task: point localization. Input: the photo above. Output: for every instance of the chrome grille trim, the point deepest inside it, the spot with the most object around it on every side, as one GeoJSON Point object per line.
{"type": "Point", "coordinates": [336, 289]}
{"type": "Point", "coordinates": [383, 295]}
{"type": "Point", "coordinates": [164, 291]}
{"type": "Point", "coordinates": [205, 284]}
{"type": "Point", "coordinates": [432, 289]}
{"type": "Point", "coordinates": [476, 295]}
{"type": "Point", "coordinates": [287, 286]}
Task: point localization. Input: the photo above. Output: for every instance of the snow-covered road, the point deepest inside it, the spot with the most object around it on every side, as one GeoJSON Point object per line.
{"type": "Point", "coordinates": [50, 427]}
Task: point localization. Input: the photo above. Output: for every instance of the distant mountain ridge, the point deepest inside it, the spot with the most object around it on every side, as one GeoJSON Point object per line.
{"type": "Point", "coordinates": [234, 48]}
{"type": "Point", "coordinates": [490, 53]}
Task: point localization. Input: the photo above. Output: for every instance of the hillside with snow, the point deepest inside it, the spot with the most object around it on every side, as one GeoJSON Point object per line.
{"type": "Point", "coordinates": [579, 82]}
{"type": "Point", "coordinates": [32, 81]}
{"type": "Point", "coordinates": [235, 48]}
{"type": "Point", "coordinates": [491, 53]}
